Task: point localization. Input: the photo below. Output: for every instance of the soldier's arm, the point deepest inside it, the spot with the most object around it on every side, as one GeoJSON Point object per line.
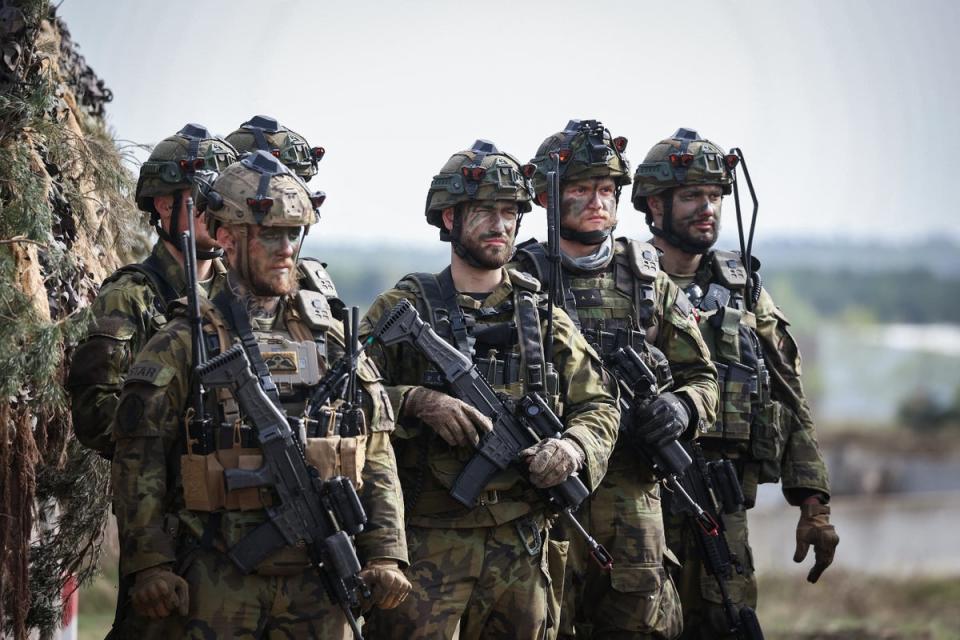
{"type": "Point", "coordinates": [679, 338]}
{"type": "Point", "coordinates": [803, 470]}
{"type": "Point", "coordinates": [147, 435]}
{"type": "Point", "coordinates": [400, 365]}
{"type": "Point", "coordinates": [119, 326]}
{"type": "Point", "coordinates": [591, 415]}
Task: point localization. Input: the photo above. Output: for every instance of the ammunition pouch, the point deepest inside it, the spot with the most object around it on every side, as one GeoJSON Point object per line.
{"type": "Point", "coordinates": [204, 488]}
{"type": "Point", "coordinates": [339, 456]}
{"type": "Point", "coordinates": [767, 440]}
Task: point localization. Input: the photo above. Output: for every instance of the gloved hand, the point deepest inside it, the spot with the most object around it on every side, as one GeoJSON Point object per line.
{"type": "Point", "coordinates": [814, 528]}
{"type": "Point", "coordinates": [455, 421]}
{"type": "Point", "coordinates": [157, 592]}
{"type": "Point", "coordinates": [388, 586]}
{"type": "Point", "coordinates": [661, 420]}
{"type": "Point", "coordinates": [552, 460]}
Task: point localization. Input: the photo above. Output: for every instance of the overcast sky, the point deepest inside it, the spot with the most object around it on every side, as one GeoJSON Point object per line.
{"type": "Point", "coordinates": [845, 110]}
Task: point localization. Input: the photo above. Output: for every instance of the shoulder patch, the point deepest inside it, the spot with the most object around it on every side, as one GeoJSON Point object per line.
{"type": "Point", "coordinates": [682, 304]}
{"type": "Point", "coordinates": [315, 309]}
{"type": "Point", "coordinates": [523, 280]}
{"type": "Point", "coordinates": [152, 373]}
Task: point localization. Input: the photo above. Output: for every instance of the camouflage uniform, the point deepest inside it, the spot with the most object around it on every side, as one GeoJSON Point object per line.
{"type": "Point", "coordinates": [473, 563]}
{"type": "Point", "coordinates": [764, 426]}
{"type": "Point", "coordinates": [781, 444]}
{"type": "Point", "coordinates": [169, 495]}
{"type": "Point", "coordinates": [491, 568]}
{"type": "Point", "coordinates": [626, 299]}
{"type": "Point", "coordinates": [131, 305]}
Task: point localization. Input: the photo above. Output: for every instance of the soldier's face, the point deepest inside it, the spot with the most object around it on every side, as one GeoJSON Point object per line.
{"type": "Point", "coordinates": [271, 254]}
{"type": "Point", "coordinates": [164, 207]}
{"type": "Point", "coordinates": [696, 214]}
{"type": "Point", "coordinates": [488, 230]}
{"type": "Point", "coordinates": [589, 205]}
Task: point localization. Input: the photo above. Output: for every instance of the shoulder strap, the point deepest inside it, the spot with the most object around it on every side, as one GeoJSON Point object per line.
{"type": "Point", "coordinates": [150, 269]}
{"type": "Point", "coordinates": [440, 300]}
{"type": "Point", "coordinates": [235, 315]}
{"type": "Point", "coordinates": [635, 270]}
{"type": "Point", "coordinates": [535, 254]}
{"type": "Point", "coordinates": [532, 360]}
{"type": "Point", "coordinates": [728, 269]}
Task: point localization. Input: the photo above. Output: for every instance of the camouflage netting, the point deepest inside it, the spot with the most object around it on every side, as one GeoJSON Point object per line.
{"type": "Point", "coordinates": [66, 221]}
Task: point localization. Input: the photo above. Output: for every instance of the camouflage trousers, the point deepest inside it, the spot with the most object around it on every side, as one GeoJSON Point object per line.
{"type": "Point", "coordinates": [484, 579]}
{"type": "Point", "coordinates": [703, 615]}
{"type": "Point", "coordinates": [227, 604]}
{"type": "Point", "coordinates": [637, 598]}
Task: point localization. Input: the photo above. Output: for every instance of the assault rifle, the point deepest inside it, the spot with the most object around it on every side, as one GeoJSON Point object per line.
{"type": "Point", "coordinates": [340, 381]}
{"type": "Point", "coordinates": [516, 426]}
{"type": "Point", "coordinates": [699, 491]}
{"type": "Point", "coordinates": [322, 515]}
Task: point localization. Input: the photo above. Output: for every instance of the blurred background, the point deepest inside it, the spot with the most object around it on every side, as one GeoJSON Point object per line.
{"type": "Point", "coordinates": [845, 112]}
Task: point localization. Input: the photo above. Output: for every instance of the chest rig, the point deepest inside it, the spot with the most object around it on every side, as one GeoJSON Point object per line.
{"type": "Point", "coordinates": [748, 423]}
{"type": "Point", "coordinates": [612, 307]}
{"type": "Point", "coordinates": [489, 340]}
{"type": "Point", "coordinates": [289, 361]}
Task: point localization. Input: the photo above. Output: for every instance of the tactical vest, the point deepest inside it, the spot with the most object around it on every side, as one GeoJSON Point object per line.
{"type": "Point", "coordinates": [612, 307]}
{"type": "Point", "coordinates": [491, 345]}
{"type": "Point", "coordinates": [313, 276]}
{"type": "Point", "coordinates": [290, 362]}
{"type": "Point", "coordinates": [748, 424]}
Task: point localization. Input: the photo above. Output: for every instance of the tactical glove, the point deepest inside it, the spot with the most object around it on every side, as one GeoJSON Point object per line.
{"type": "Point", "coordinates": [157, 592]}
{"type": "Point", "coordinates": [661, 420]}
{"type": "Point", "coordinates": [552, 460]}
{"type": "Point", "coordinates": [388, 586]}
{"type": "Point", "coordinates": [814, 528]}
{"type": "Point", "coordinates": [456, 422]}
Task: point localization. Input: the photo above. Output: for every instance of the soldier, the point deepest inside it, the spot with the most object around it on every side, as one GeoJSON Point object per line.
{"type": "Point", "coordinates": [765, 426]}
{"type": "Point", "coordinates": [180, 530]}
{"type": "Point", "coordinates": [617, 295]}
{"type": "Point", "coordinates": [131, 305]}
{"type": "Point", "coordinates": [485, 567]}
{"type": "Point", "coordinates": [263, 133]}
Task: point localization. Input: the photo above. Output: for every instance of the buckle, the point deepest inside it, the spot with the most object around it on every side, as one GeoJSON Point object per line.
{"type": "Point", "coordinates": [488, 497]}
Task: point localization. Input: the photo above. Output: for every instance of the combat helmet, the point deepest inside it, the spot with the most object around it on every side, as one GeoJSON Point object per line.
{"type": "Point", "coordinates": [263, 133]}
{"type": "Point", "coordinates": [584, 149]}
{"type": "Point", "coordinates": [681, 160]}
{"type": "Point", "coordinates": [174, 160]}
{"type": "Point", "coordinates": [261, 190]}
{"type": "Point", "coordinates": [172, 167]}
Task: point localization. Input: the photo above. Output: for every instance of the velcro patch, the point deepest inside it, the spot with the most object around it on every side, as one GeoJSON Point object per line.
{"type": "Point", "coordinates": [281, 361]}
{"type": "Point", "coordinates": [154, 373]}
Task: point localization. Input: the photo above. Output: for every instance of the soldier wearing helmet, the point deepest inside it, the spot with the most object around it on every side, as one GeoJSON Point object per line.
{"type": "Point", "coordinates": [264, 133]}
{"type": "Point", "coordinates": [618, 297]}
{"type": "Point", "coordinates": [765, 426]}
{"type": "Point", "coordinates": [484, 567]}
{"type": "Point", "coordinates": [131, 305]}
{"type": "Point", "coordinates": [178, 525]}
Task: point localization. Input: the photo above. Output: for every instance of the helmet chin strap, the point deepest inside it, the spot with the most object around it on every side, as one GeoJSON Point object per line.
{"type": "Point", "coordinates": [668, 233]}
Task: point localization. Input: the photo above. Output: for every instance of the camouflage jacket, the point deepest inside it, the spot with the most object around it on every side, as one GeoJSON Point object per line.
{"type": "Point", "coordinates": [789, 451]}
{"type": "Point", "coordinates": [127, 312]}
{"type": "Point", "coordinates": [147, 482]}
{"type": "Point", "coordinates": [428, 465]}
{"type": "Point", "coordinates": [631, 294]}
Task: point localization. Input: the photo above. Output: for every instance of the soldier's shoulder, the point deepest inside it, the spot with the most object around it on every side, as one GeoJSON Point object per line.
{"type": "Point", "coordinates": [523, 280]}
{"type": "Point", "coordinates": [125, 289]}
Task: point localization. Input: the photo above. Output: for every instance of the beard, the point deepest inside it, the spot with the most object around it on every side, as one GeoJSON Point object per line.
{"type": "Point", "coordinates": [489, 256]}
{"type": "Point", "coordinates": [273, 285]}
{"type": "Point", "coordinates": [701, 241]}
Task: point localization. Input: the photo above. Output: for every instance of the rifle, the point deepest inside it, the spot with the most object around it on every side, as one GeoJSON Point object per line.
{"type": "Point", "coordinates": [701, 490]}
{"type": "Point", "coordinates": [322, 515]}
{"type": "Point", "coordinates": [199, 423]}
{"type": "Point", "coordinates": [516, 425]}
{"type": "Point", "coordinates": [555, 284]}
{"type": "Point", "coordinates": [340, 381]}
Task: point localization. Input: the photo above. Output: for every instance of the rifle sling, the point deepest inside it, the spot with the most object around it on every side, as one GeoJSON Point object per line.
{"type": "Point", "coordinates": [236, 317]}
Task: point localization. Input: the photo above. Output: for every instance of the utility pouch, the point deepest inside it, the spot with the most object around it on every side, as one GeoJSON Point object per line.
{"type": "Point", "coordinates": [338, 456]}
{"type": "Point", "coordinates": [768, 440]}
{"type": "Point", "coordinates": [733, 423]}
{"type": "Point", "coordinates": [727, 485]}
{"type": "Point", "coordinates": [202, 481]}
